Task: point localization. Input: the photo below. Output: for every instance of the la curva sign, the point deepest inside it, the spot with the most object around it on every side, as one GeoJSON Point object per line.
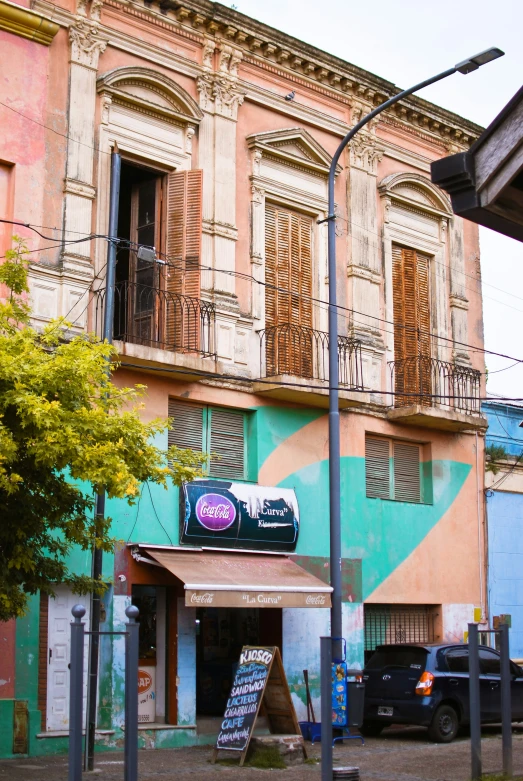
{"type": "Point", "coordinates": [239, 515]}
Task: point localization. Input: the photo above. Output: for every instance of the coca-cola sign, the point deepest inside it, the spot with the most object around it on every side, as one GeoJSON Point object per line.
{"type": "Point", "coordinates": [215, 512]}
{"type": "Point", "coordinates": [239, 515]}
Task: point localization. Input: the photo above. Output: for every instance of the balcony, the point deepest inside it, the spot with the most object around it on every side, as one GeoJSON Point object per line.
{"type": "Point", "coordinates": [436, 394]}
{"type": "Point", "coordinates": [296, 359]}
{"type": "Point", "coordinates": [155, 326]}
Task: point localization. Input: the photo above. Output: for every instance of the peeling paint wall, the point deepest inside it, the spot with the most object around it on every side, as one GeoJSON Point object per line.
{"type": "Point", "coordinates": [186, 663]}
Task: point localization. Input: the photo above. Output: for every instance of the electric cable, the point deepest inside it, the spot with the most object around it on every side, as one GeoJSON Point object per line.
{"type": "Point", "coordinates": [316, 301]}
{"type": "Point", "coordinates": [157, 517]}
{"type": "Point", "coordinates": [284, 383]}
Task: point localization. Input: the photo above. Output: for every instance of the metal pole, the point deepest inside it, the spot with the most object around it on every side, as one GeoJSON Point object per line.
{"type": "Point", "coordinates": [131, 694]}
{"type": "Point", "coordinates": [475, 716]}
{"type": "Point", "coordinates": [334, 411]}
{"type": "Point", "coordinates": [116, 163]}
{"type": "Point", "coordinates": [76, 694]}
{"type": "Point", "coordinates": [506, 708]}
{"type": "Point", "coordinates": [326, 708]}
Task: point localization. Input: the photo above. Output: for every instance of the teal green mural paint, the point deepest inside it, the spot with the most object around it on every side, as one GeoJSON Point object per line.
{"type": "Point", "coordinates": [276, 424]}
{"type": "Point", "coordinates": [26, 670]}
{"type": "Point", "coordinates": [380, 532]}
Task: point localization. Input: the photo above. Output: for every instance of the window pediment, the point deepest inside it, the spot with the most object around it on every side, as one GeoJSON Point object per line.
{"type": "Point", "coordinates": [294, 147]}
{"type": "Point", "coordinates": [416, 192]}
{"type": "Point", "coordinates": [150, 92]}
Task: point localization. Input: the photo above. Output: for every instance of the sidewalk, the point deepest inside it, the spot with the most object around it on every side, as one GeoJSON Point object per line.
{"type": "Point", "coordinates": [400, 755]}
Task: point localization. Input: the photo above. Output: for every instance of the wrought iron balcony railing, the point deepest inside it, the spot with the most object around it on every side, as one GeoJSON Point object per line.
{"type": "Point", "coordinates": [431, 382]}
{"type": "Point", "coordinates": [304, 352]}
{"type": "Point", "coordinates": [160, 318]}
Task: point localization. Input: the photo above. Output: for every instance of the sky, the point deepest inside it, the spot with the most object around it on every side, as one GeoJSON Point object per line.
{"type": "Point", "coordinates": [406, 41]}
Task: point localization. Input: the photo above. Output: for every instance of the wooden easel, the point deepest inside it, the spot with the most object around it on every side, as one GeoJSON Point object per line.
{"type": "Point", "coordinates": [275, 704]}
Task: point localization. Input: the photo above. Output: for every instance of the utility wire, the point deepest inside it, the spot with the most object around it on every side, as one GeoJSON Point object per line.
{"type": "Point", "coordinates": [284, 383]}
{"type": "Point", "coordinates": [179, 265]}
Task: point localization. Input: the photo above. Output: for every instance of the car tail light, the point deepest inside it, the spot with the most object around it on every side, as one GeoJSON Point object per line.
{"type": "Point", "coordinates": [425, 684]}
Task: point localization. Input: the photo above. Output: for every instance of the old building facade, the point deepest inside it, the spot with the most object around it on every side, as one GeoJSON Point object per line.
{"type": "Point", "coordinates": [227, 179]}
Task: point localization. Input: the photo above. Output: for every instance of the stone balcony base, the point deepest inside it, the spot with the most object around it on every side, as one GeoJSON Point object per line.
{"type": "Point", "coordinates": [186, 366]}
{"type": "Point", "coordinates": [300, 390]}
{"type": "Point", "coordinates": [437, 418]}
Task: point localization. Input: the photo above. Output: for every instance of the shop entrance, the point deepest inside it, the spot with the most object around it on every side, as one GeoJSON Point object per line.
{"type": "Point", "coordinates": [221, 633]}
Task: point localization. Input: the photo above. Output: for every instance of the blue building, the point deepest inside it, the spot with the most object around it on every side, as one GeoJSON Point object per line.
{"type": "Point", "coordinates": [504, 506]}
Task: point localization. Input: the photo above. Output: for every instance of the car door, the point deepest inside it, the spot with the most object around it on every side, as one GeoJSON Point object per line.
{"type": "Point", "coordinates": [490, 684]}
{"type": "Point", "coordinates": [516, 691]}
{"type": "Point", "coordinates": [457, 661]}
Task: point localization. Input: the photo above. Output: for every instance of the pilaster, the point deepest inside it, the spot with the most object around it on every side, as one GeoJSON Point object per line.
{"type": "Point", "coordinates": [458, 299]}
{"type": "Point", "coordinates": [220, 98]}
{"type": "Point", "coordinates": [86, 46]}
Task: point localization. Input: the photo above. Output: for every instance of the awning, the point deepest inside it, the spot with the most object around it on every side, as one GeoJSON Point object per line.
{"type": "Point", "coordinates": [243, 580]}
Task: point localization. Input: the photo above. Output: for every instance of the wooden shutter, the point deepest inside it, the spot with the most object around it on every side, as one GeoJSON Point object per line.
{"type": "Point", "coordinates": [288, 305]}
{"type": "Point", "coordinates": [227, 443]}
{"type": "Point", "coordinates": [184, 240]}
{"type": "Point", "coordinates": [407, 487]}
{"type": "Point", "coordinates": [411, 306]}
{"type": "Point", "coordinates": [186, 426]}
{"type": "Point", "coordinates": [377, 468]}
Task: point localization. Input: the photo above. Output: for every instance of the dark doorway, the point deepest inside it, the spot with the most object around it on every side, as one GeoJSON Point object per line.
{"type": "Point", "coordinates": [140, 218]}
{"type": "Point", "coordinates": [220, 635]}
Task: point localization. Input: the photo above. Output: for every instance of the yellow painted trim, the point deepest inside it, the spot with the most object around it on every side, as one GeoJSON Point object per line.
{"type": "Point", "coordinates": [26, 23]}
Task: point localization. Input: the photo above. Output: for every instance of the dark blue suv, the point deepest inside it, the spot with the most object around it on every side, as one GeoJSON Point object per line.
{"type": "Point", "coordinates": [428, 685]}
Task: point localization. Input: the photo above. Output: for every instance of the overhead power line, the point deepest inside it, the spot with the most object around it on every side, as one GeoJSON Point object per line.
{"type": "Point", "coordinates": [346, 312]}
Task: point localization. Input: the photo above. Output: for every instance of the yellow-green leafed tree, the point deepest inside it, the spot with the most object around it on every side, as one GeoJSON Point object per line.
{"type": "Point", "coordinates": [63, 423]}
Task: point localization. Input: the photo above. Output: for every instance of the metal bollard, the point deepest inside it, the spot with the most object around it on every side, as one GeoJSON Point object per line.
{"type": "Point", "coordinates": [131, 694]}
{"type": "Point", "coordinates": [326, 708]}
{"type": "Point", "coordinates": [506, 705]}
{"type": "Point", "coordinates": [76, 694]}
{"type": "Point", "coordinates": [475, 719]}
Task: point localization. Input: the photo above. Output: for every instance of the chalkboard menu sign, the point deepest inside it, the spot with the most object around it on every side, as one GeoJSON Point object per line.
{"type": "Point", "coordinates": [259, 682]}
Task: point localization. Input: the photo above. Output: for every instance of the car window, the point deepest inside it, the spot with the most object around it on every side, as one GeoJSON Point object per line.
{"type": "Point", "coordinates": [394, 656]}
{"type": "Point", "coordinates": [458, 660]}
{"type": "Point", "coordinates": [489, 662]}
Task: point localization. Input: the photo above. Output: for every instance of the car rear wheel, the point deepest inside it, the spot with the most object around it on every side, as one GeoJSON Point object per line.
{"type": "Point", "coordinates": [371, 728]}
{"type": "Point", "coordinates": [445, 725]}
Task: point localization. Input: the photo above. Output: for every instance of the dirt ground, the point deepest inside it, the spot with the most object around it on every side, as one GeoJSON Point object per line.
{"type": "Point", "coordinates": [398, 755]}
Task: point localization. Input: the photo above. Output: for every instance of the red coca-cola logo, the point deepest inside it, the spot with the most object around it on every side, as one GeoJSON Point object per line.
{"type": "Point", "coordinates": [145, 681]}
{"type": "Point", "coordinates": [215, 512]}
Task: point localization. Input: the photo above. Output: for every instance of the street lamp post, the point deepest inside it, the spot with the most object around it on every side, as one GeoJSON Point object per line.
{"type": "Point", "coordinates": [464, 67]}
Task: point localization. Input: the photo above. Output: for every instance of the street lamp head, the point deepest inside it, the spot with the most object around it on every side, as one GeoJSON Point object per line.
{"type": "Point", "coordinates": [473, 63]}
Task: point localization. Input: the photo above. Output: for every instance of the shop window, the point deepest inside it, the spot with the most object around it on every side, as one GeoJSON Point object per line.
{"type": "Point", "coordinates": [218, 431]}
{"type": "Point", "coordinates": [393, 470]}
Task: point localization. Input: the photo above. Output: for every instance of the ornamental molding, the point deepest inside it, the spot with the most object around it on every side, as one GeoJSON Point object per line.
{"type": "Point", "coordinates": [293, 147]}
{"type": "Point", "coordinates": [414, 192]}
{"type": "Point", "coordinates": [150, 92]}
{"type": "Point", "coordinates": [218, 87]}
{"type": "Point", "coordinates": [86, 43]}
{"type": "Point", "coordinates": [365, 153]}
{"type": "Point", "coordinates": [215, 228]}
{"type": "Point", "coordinates": [269, 49]}
{"type": "Point", "coordinates": [26, 23]}
{"type": "Point", "coordinates": [74, 187]}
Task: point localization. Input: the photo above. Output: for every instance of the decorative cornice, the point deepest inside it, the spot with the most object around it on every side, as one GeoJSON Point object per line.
{"type": "Point", "coordinates": [267, 47]}
{"type": "Point", "coordinates": [26, 23]}
{"type": "Point", "coordinates": [295, 61]}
